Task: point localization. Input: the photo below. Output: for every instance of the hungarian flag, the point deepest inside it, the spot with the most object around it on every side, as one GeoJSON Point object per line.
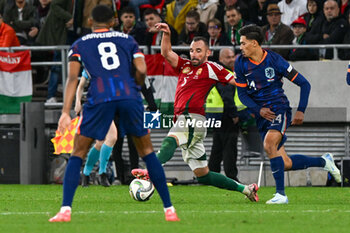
{"type": "Point", "coordinates": [162, 78]}
{"type": "Point", "coordinates": [15, 81]}
{"type": "Point", "coordinates": [64, 143]}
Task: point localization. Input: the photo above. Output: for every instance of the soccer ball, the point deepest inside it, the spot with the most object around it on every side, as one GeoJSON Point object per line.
{"type": "Point", "coordinates": [141, 190]}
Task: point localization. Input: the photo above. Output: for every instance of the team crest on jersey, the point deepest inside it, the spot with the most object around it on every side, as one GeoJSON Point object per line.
{"type": "Point", "coordinates": [269, 73]}
{"type": "Point", "coordinates": [186, 70]}
{"type": "Point", "coordinates": [199, 71]}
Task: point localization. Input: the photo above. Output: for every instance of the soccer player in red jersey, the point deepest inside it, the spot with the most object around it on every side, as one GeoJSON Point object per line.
{"type": "Point", "coordinates": [196, 77]}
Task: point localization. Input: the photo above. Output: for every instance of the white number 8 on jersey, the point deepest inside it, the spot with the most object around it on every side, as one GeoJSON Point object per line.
{"type": "Point", "coordinates": [112, 54]}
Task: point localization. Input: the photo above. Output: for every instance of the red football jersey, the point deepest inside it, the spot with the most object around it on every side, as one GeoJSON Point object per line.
{"type": "Point", "coordinates": [194, 84]}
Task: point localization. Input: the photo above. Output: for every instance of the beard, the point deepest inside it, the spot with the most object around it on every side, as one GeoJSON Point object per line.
{"type": "Point", "coordinates": [196, 62]}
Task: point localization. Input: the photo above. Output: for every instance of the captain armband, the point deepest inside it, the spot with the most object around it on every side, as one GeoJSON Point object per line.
{"type": "Point", "coordinates": [291, 73]}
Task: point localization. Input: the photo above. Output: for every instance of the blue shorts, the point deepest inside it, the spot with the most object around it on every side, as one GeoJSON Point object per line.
{"type": "Point", "coordinates": [280, 123]}
{"type": "Point", "coordinates": [96, 119]}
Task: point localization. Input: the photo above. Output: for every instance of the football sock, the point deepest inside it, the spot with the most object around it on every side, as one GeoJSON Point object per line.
{"type": "Point", "coordinates": [92, 158]}
{"type": "Point", "coordinates": [277, 168]}
{"type": "Point", "coordinates": [167, 149]}
{"type": "Point", "coordinates": [71, 179]}
{"type": "Point", "coordinates": [303, 162]}
{"type": "Point", "coordinates": [104, 157]}
{"type": "Point", "coordinates": [157, 176]}
{"type": "Point", "coordinates": [220, 181]}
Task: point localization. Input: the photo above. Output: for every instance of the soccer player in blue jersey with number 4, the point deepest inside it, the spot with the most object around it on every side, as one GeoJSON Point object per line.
{"type": "Point", "coordinates": [108, 57]}
{"type": "Point", "coordinates": [259, 82]}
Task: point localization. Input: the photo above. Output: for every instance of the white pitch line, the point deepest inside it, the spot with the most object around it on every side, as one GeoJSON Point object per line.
{"type": "Point", "coordinates": [184, 211]}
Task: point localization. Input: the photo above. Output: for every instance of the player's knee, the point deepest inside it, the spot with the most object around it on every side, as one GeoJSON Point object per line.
{"type": "Point", "coordinates": [110, 141]}
{"type": "Point", "coordinates": [98, 145]}
{"type": "Point", "coordinates": [201, 172]}
{"type": "Point", "coordinates": [270, 147]}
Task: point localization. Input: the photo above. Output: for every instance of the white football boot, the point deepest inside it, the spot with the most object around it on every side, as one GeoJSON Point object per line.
{"type": "Point", "coordinates": [330, 167]}
{"type": "Point", "coordinates": [278, 199]}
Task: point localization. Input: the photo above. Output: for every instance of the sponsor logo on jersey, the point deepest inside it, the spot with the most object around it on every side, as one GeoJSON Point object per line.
{"type": "Point", "coordinates": [186, 70]}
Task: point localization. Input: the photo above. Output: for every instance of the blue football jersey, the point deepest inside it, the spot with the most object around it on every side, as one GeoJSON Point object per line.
{"type": "Point", "coordinates": [107, 57]}
{"type": "Point", "coordinates": [263, 81]}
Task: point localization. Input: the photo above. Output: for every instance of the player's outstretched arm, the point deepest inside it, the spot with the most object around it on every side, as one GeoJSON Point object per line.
{"type": "Point", "coordinates": [166, 50]}
{"type": "Point", "coordinates": [69, 93]}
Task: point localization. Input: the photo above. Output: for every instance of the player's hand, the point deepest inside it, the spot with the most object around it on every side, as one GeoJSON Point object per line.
{"type": "Point", "coordinates": [162, 27]}
{"type": "Point", "coordinates": [267, 114]}
{"type": "Point", "coordinates": [298, 118]}
{"type": "Point", "coordinates": [64, 122]}
{"type": "Point", "coordinates": [235, 120]}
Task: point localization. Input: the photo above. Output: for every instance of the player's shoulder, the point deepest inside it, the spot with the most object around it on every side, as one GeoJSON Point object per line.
{"type": "Point", "coordinates": [215, 65]}
{"type": "Point", "coordinates": [274, 56]}
{"type": "Point", "coordinates": [240, 59]}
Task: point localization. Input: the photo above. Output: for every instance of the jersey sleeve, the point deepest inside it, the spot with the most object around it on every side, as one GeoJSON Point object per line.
{"type": "Point", "coordinates": [85, 74]}
{"type": "Point", "coordinates": [136, 52]}
{"type": "Point", "coordinates": [291, 74]}
{"type": "Point", "coordinates": [74, 54]}
{"type": "Point", "coordinates": [180, 64]}
{"type": "Point", "coordinates": [238, 75]}
{"type": "Point", "coordinates": [219, 73]}
{"type": "Point", "coordinates": [242, 88]}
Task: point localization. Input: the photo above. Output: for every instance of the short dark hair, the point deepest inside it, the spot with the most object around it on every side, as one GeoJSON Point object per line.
{"type": "Point", "coordinates": [193, 14]}
{"type": "Point", "coordinates": [102, 14]}
{"type": "Point", "coordinates": [150, 11]}
{"type": "Point", "coordinates": [127, 10]}
{"type": "Point", "coordinates": [252, 32]}
{"type": "Point", "coordinates": [201, 38]}
{"type": "Point", "coordinates": [230, 8]}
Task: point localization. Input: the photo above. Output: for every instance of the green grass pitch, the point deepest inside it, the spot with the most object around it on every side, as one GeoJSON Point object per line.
{"type": "Point", "coordinates": [27, 208]}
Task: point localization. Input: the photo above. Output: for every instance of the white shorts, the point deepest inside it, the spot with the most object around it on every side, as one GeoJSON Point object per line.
{"type": "Point", "coordinates": [191, 138]}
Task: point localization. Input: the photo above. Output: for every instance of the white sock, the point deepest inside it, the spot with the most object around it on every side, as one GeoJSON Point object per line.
{"type": "Point", "coordinates": [171, 208]}
{"type": "Point", "coordinates": [246, 190]}
{"type": "Point", "coordinates": [64, 208]}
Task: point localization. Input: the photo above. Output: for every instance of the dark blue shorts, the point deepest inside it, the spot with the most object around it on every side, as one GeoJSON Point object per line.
{"type": "Point", "coordinates": [96, 119]}
{"type": "Point", "coordinates": [280, 123]}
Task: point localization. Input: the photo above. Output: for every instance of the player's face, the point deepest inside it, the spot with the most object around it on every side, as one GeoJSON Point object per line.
{"type": "Point", "coordinates": [199, 52]}
{"type": "Point", "coordinates": [151, 20]}
{"type": "Point", "coordinates": [247, 47]}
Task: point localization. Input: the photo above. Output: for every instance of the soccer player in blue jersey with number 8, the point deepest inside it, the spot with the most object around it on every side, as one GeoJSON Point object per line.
{"type": "Point", "coordinates": [107, 57]}
{"type": "Point", "coordinates": [259, 82]}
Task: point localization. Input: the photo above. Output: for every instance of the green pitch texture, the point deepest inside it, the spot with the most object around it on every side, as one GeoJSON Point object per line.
{"type": "Point", "coordinates": [27, 208]}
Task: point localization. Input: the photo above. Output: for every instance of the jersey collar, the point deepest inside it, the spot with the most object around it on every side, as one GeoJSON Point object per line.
{"type": "Point", "coordinates": [263, 58]}
{"type": "Point", "coordinates": [101, 30]}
